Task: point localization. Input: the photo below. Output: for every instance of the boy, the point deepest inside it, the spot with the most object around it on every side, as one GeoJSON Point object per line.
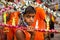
{"type": "Point", "coordinates": [28, 16]}
{"type": "Point", "coordinates": [29, 19]}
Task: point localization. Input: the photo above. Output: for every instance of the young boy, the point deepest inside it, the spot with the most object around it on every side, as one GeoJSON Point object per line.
{"type": "Point", "coordinates": [31, 19]}
{"type": "Point", "coordinates": [28, 16]}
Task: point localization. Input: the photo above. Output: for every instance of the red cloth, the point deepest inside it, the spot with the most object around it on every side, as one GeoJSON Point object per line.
{"type": "Point", "coordinates": [38, 1]}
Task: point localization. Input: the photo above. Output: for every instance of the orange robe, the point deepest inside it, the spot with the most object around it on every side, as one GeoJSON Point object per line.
{"type": "Point", "coordinates": [27, 35]}
{"type": "Point", "coordinates": [12, 31]}
{"type": "Point", "coordinates": [40, 16]}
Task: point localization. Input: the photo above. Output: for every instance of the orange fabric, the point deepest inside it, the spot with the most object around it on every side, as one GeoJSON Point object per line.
{"type": "Point", "coordinates": [11, 34]}
{"type": "Point", "coordinates": [27, 35]}
{"type": "Point", "coordinates": [6, 14]}
{"type": "Point", "coordinates": [40, 16]}
{"type": "Point", "coordinates": [14, 15]}
{"type": "Point", "coordinates": [12, 31]}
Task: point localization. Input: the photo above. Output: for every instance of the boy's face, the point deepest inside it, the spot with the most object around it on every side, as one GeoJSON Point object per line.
{"type": "Point", "coordinates": [29, 18]}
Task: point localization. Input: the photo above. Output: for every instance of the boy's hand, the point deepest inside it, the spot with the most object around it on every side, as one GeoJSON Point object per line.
{"type": "Point", "coordinates": [30, 29]}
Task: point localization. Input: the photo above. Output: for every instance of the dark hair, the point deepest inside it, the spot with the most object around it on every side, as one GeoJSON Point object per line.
{"type": "Point", "coordinates": [29, 9]}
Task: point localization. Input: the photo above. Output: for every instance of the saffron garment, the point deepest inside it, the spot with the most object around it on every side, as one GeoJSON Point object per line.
{"type": "Point", "coordinates": [40, 16]}
{"type": "Point", "coordinates": [13, 20]}
{"type": "Point", "coordinates": [28, 35]}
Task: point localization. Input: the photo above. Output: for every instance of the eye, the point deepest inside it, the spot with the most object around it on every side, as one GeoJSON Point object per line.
{"type": "Point", "coordinates": [28, 16]}
{"type": "Point", "coordinates": [32, 16]}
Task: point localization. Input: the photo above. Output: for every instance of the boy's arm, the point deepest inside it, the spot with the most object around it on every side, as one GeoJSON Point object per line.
{"type": "Point", "coordinates": [32, 36]}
